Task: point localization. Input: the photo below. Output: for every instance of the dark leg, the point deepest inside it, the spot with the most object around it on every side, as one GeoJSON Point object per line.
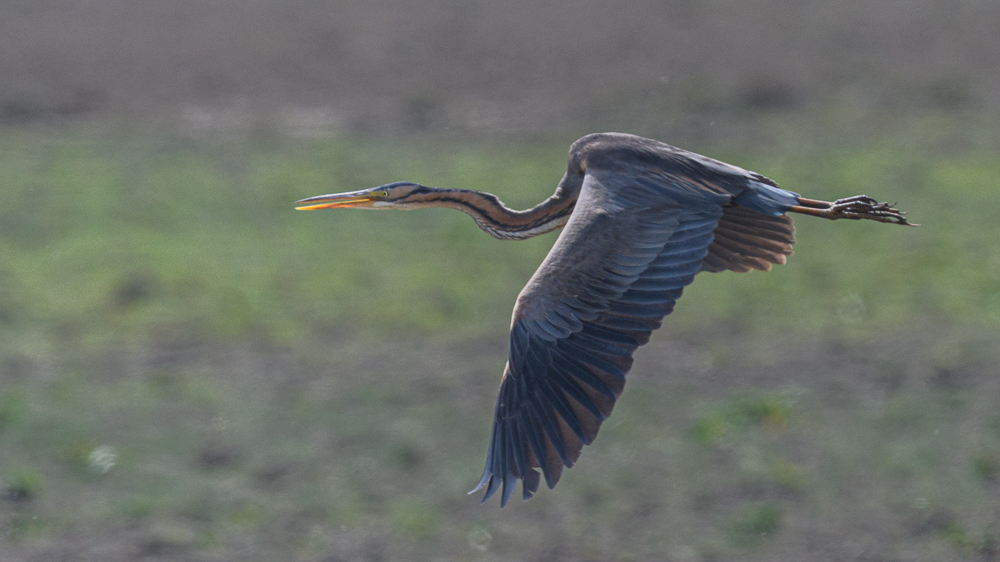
{"type": "Point", "coordinates": [856, 208]}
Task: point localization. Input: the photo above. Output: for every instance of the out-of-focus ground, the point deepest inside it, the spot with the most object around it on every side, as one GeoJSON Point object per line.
{"type": "Point", "coordinates": [189, 370]}
{"type": "Point", "coordinates": [664, 68]}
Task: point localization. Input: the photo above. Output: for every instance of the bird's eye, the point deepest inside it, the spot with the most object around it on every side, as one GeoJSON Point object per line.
{"type": "Point", "coordinates": [385, 193]}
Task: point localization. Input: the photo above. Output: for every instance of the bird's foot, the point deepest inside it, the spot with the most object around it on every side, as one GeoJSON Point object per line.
{"type": "Point", "coordinates": [864, 207]}
{"type": "Point", "coordinates": [859, 207]}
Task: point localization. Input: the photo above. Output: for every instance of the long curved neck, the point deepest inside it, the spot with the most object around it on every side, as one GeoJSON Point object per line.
{"type": "Point", "coordinates": [500, 221]}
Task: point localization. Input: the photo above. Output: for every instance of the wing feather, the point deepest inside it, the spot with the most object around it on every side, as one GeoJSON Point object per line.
{"type": "Point", "coordinates": [746, 239]}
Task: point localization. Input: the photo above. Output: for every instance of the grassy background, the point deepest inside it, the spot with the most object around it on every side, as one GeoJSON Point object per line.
{"type": "Point", "coordinates": [192, 370]}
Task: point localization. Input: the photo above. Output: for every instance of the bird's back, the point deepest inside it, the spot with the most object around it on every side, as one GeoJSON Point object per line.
{"type": "Point", "coordinates": [634, 163]}
{"type": "Point", "coordinates": [753, 232]}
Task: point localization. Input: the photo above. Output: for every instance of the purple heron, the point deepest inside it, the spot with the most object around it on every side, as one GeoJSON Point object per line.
{"type": "Point", "coordinates": [640, 218]}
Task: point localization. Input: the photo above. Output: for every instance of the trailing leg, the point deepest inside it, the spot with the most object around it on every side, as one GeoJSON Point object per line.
{"type": "Point", "coordinates": [859, 207]}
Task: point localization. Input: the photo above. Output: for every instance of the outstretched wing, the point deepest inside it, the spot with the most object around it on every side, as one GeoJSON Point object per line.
{"type": "Point", "coordinates": [616, 270]}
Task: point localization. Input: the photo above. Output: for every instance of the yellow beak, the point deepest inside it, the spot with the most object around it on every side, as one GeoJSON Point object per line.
{"type": "Point", "coordinates": [347, 200]}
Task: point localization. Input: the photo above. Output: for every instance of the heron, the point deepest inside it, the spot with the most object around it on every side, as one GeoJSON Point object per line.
{"type": "Point", "coordinates": [639, 218]}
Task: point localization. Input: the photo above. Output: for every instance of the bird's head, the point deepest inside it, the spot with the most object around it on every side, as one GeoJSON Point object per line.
{"type": "Point", "coordinates": [396, 195]}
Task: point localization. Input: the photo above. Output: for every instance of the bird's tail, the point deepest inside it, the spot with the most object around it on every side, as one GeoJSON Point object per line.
{"type": "Point", "coordinates": [768, 199]}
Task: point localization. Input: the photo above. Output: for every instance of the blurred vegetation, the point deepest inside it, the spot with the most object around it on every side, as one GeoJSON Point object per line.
{"type": "Point", "coordinates": [124, 238]}
{"type": "Point", "coordinates": [191, 366]}
{"type": "Point", "coordinates": [191, 370]}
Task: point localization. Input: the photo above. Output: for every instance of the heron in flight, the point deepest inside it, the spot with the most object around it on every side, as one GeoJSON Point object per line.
{"type": "Point", "coordinates": [640, 218]}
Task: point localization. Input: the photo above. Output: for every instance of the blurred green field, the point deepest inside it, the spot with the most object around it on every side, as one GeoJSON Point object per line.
{"type": "Point", "coordinates": [191, 369]}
